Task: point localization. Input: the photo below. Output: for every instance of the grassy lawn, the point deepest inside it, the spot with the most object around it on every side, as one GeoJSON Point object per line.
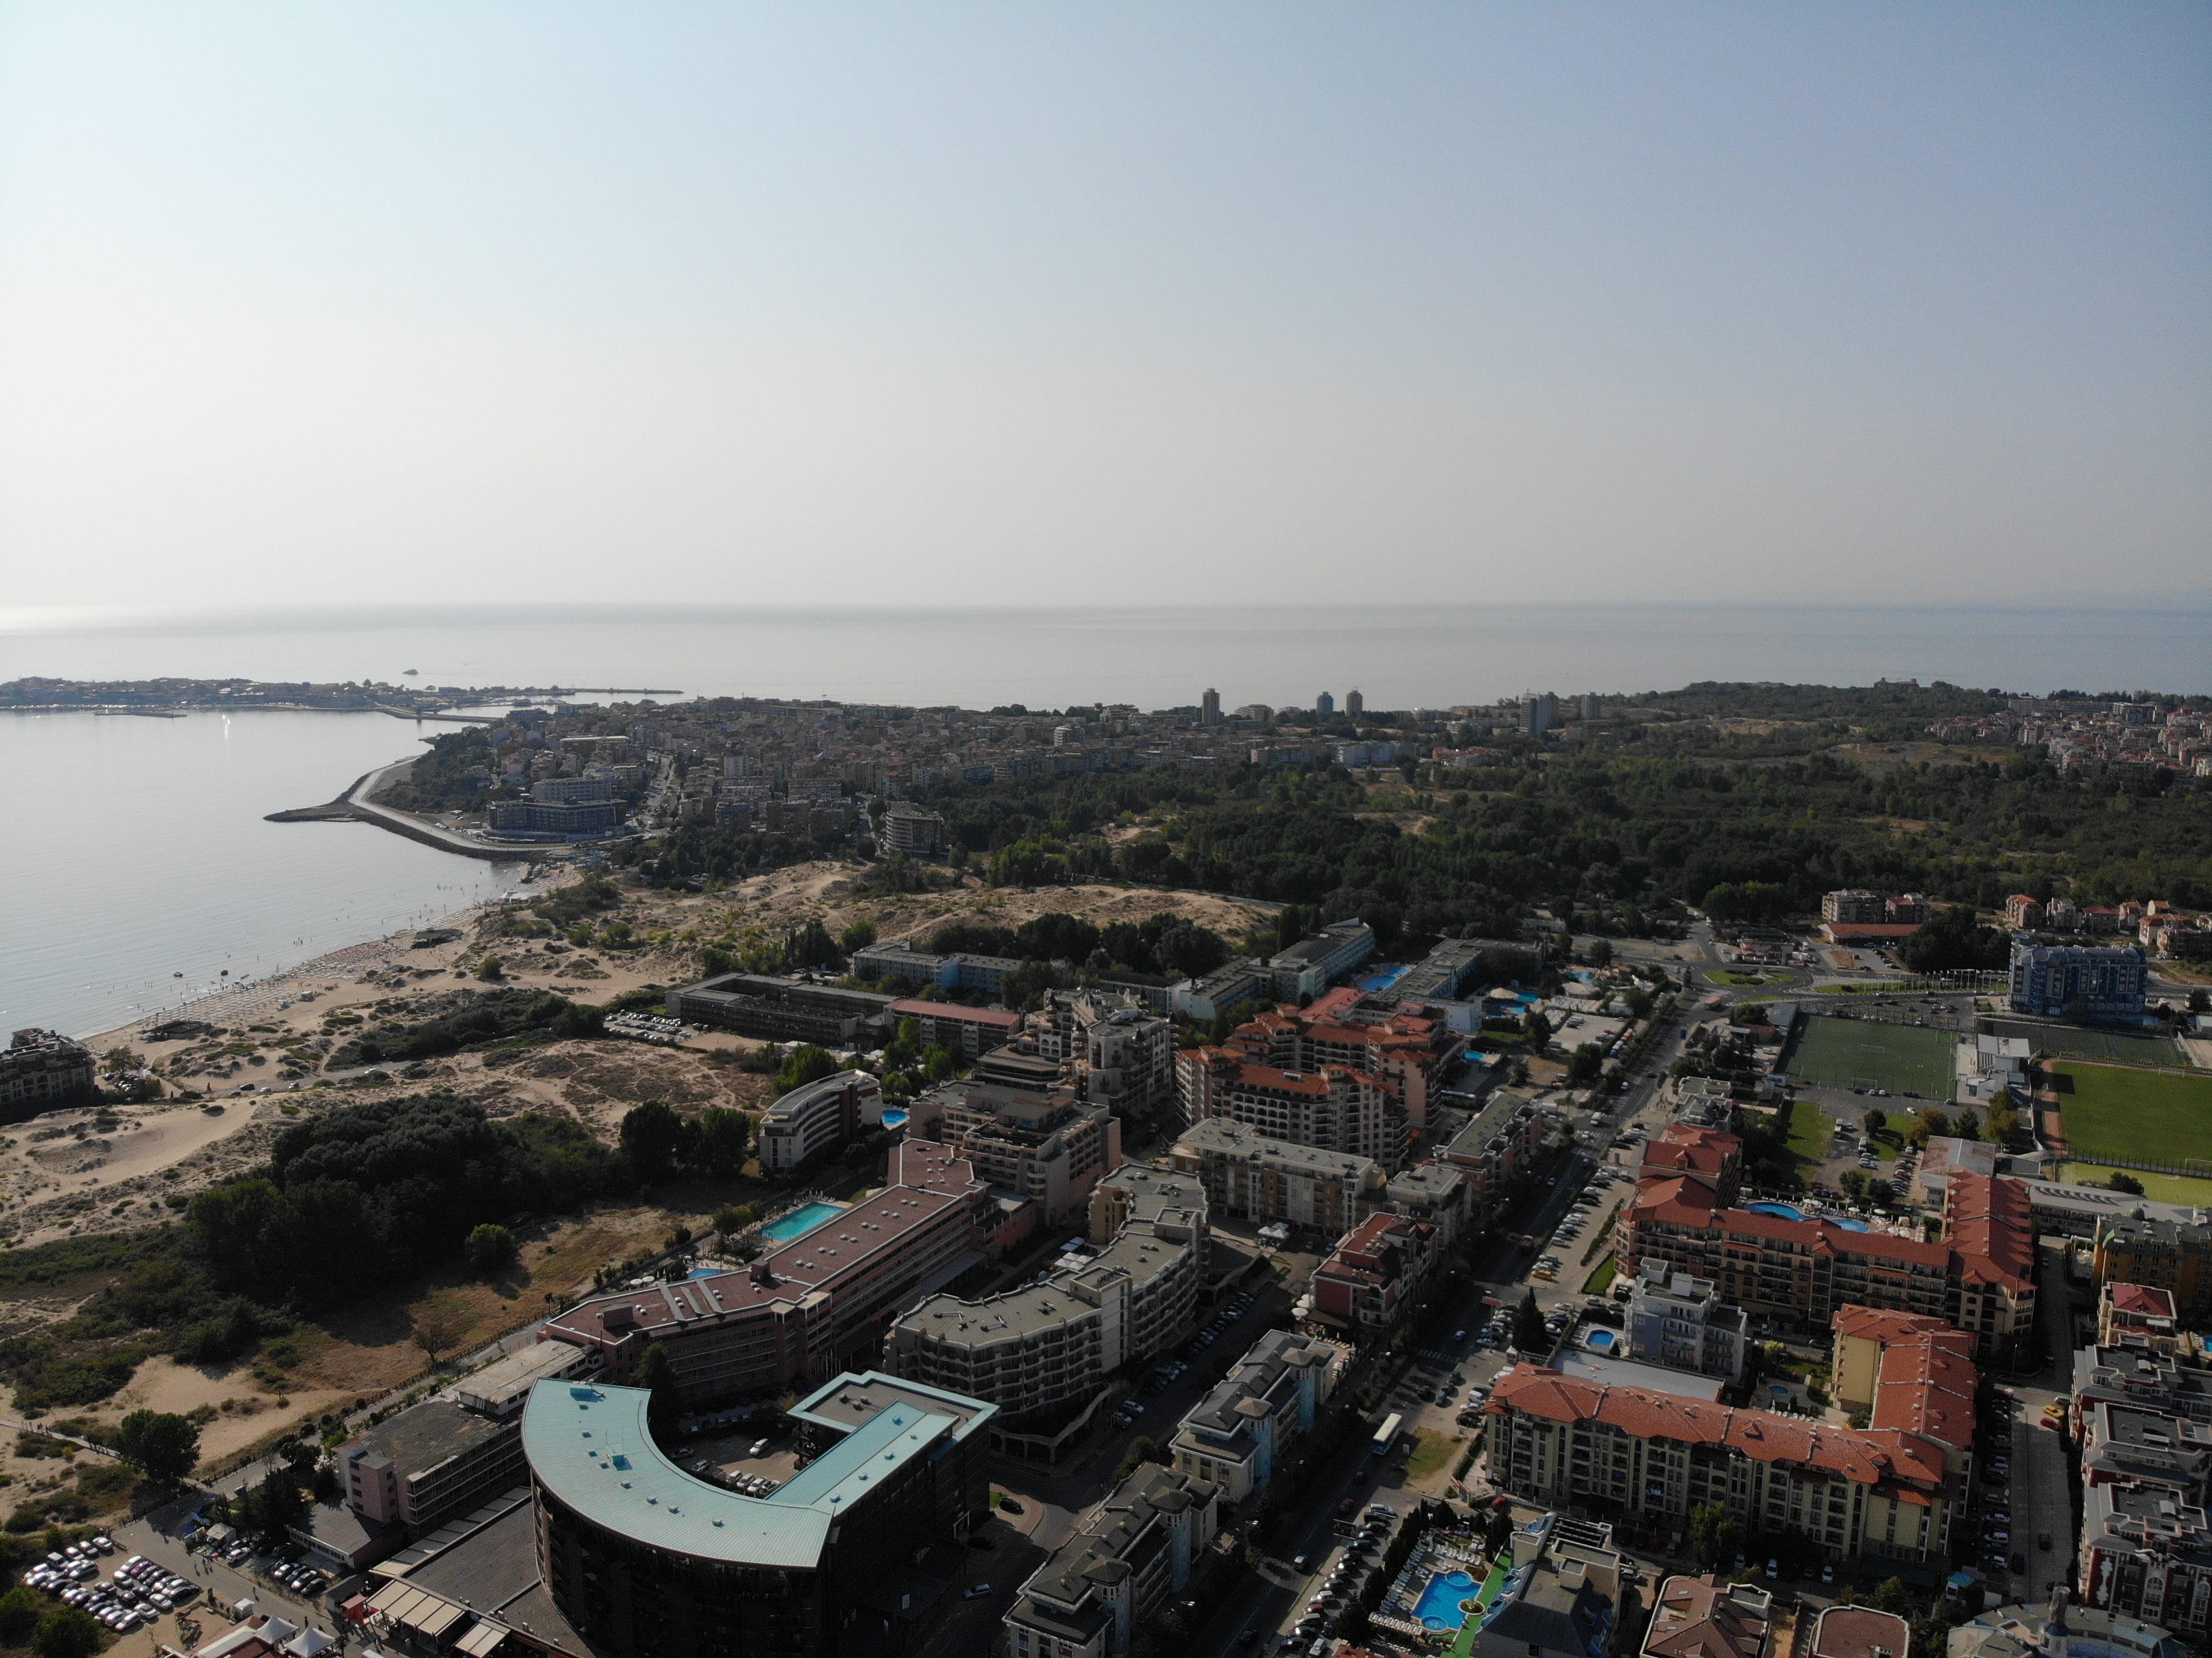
{"type": "Point", "coordinates": [1601, 1280]}
{"type": "Point", "coordinates": [1731, 976]}
{"type": "Point", "coordinates": [1811, 1134]}
{"type": "Point", "coordinates": [1861, 1053]}
{"type": "Point", "coordinates": [2162, 1189]}
{"type": "Point", "coordinates": [2161, 1116]}
{"type": "Point", "coordinates": [1434, 1451]}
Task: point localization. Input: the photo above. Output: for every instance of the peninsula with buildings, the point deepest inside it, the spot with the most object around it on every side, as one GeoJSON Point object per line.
{"type": "Point", "coordinates": [1722, 1171]}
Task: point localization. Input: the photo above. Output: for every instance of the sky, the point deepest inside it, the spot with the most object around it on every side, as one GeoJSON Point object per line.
{"type": "Point", "coordinates": [1120, 304]}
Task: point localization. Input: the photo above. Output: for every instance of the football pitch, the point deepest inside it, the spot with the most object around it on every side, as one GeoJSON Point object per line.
{"type": "Point", "coordinates": [2154, 1116]}
{"type": "Point", "coordinates": [1832, 1052]}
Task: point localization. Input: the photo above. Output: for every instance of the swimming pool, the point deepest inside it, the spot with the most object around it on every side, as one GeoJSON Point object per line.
{"type": "Point", "coordinates": [894, 1118]}
{"type": "Point", "coordinates": [799, 1221]}
{"type": "Point", "coordinates": [1601, 1341]}
{"type": "Point", "coordinates": [1791, 1211]}
{"type": "Point", "coordinates": [1438, 1606]}
{"type": "Point", "coordinates": [1383, 976]}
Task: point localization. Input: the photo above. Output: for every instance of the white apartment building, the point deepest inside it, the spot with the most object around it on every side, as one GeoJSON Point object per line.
{"type": "Point", "coordinates": [821, 1115]}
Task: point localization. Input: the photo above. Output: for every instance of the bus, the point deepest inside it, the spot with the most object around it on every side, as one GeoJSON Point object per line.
{"type": "Point", "coordinates": [1387, 1434]}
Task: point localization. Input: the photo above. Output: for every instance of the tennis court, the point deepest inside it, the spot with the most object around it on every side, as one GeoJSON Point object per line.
{"type": "Point", "coordinates": [1833, 1052]}
{"type": "Point", "coordinates": [2069, 1043]}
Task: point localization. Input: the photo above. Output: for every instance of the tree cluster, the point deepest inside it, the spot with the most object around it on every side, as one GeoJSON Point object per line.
{"type": "Point", "coordinates": [383, 1190]}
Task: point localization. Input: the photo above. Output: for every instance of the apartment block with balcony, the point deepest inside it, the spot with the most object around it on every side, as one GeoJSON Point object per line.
{"type": "Point", "coordinates": [1126, 1557]}
{"type": "Point", "coordinates": [1680, 1323]}
{"type": "Point", "coordinates": [1561, 1442]}
{"type": "Point", "coordinates": [2069, 981]}
{"type": "Point", "coordinates": [1373, 1278]}
{"type": "Point", "coordinates": [1252, 1177]}
{"type": "Point", "coordinates": [1038, 1351]}
{"type": "Point", "coordinates": [817, 1117]}
{"type": "Point", "coordinates": [1050, 1148]}
{"type": "Point", "coordinates": [1246, 1426]}
{"type": "Point", "coordinates": [2169, 1254]}
{"type": "Point", "coordinates": [429, 1461]}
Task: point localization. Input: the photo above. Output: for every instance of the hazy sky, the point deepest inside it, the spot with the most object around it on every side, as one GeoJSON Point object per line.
{"type": "Point", "coordinates": [1116, 303]}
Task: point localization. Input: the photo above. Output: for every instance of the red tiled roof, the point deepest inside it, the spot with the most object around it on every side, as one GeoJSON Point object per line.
{"type": "Point", "coordinates": [1859, 1632]}
{"type": "Point", "coordinates": [1701, 1617]}
{"type": "Point", "coordinates": [1989, 1221]}
{"type": "Point", "coordinates": [1924, 1389]}
{"type": "Point", "coordinates": [1676, 1198]}
{"type": "Point", "coordinates": [2144, 1299]}
{"type": "Point", "coordinates": [1876, 1457]}
{"type": "Point", "coordinates": [1878, 1324]}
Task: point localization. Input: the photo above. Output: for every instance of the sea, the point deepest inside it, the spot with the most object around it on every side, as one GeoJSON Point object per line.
{"type": "Point", "coordinates": [139, 868]}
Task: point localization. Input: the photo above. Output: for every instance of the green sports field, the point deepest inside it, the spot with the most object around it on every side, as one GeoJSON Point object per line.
{"type": "Point", "coordinates": [1860, 1053]}
{"type": "Point", "coordinates": [2157, 1116]}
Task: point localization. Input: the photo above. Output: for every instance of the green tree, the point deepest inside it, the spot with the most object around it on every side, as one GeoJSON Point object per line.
{"type": "Point", "coordinates": [438, 1329]}
{"type": "Point", "coordinates": [810, 946]}
{"type": "Point", "coordinates": [491, 969]}
{"type": "Point", "coordinates": [936, 1065]}
{"type": "Point", "coordinates": [1529, 1332]}
{"type": "Point", "coordinates": [651, 1135]}
{"type": "Point", "coordinates": [1876, 1118]}
{"type": "Point", "coordinates": [1713, 1533]}
{"type": "Point", "coordinates": [1583, 1069]}
{"type": "Point", "coordinates": [1954, 940]}
{"type": "Point", "coordinates": [272, 1507]}
{"type": "Point", "coordinates": [1536, 1030]}
{"type": "Point", "coordinates": [65, 1633]}
{"type": "Point", "coordinates": [1890, 1595]}
{"type": "Point", "coordinates": [2121, 1181]}
{"type": "Point", "coordinates": [723, 1135]}
{"type": "Point", "coordinates": [158, 1444]}
{"type": "Point", "coordinates": [806, 1064]}
{"type": "Point", "coordinates": [489, 1247]}
{"type": "Point", "coordinates": [857, 937]}
{"type": "Point", "coordinates": [1966, 1126]}
{"type": "Point", "coordinates": [657, 1375]}
{"type": "Point", "coordinates": [19, 1615]}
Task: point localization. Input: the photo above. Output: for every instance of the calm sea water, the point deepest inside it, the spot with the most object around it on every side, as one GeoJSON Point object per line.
{"type": "Point", "coordinates": [1401, 656]}
{"type": "Point", "coordinates": [136, 850]}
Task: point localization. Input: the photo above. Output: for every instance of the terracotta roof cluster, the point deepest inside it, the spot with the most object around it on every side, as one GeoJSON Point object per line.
{"type": "Point", "coordinates": [1990, 1223]}
{"type": "Point", "coordinates": [1859, 1632]}
{"type": "Point", "coordinates": [1899, 1461]}
{"type": "Point", "coordinates": [1703, 1618]}
{"type": "Point", "coordinates": [1677, 1198]}
{"type": "Point", "coordinates": [1926, 1387]}
{"type": "Point", "coordinates": [1880, 1324]}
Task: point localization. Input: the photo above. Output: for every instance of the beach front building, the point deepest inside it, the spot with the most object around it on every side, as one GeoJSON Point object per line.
{"type": "Point", "coordinates": [1126, 1557]}
{"type": "Point", "coordinates": [966, 1032]}
{"type": "Point", "coordinates": [1254, 1176]}
{"type": "Point", "coordinates": [643, 1560]}
{"type": "Point", "coordinates": [1564, 1442]}
{"type": "Point", "coordinates": [781, 1009]}
{"type": "Point", "coordinates": [43, 1070]}
{"type": "Point", "coordinates": [817, 1116]}
{"type": "Point", "coordinates": [789, 1317]}
{"type": "Point", "coordinates": [1308, 967]}
{"type": "Point", "coordinates": [430, 1460]}
{"type": "Point", "coordinates": [1243, 1429]}
{"type": "Point", "coordinates": [1797, 1273]}
{"type": "Point", "coordinates": [1046, 1349]}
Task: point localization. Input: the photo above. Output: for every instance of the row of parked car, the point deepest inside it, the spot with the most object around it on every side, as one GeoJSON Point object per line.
{"type": "Point", "coordinates": [1361, 1550]}
{"type": "Point", "coordinates": [285, 1569]}
{"type": "Point", "coordinates": [136, 1593]}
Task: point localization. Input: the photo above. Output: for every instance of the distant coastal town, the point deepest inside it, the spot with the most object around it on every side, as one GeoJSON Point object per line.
{"type": "Point", "coordinates": [1241, 1169]}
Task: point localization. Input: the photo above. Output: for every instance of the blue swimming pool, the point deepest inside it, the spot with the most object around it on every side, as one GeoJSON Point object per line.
{"type": "Point", "coordinates": [1601, 1341]}
{"type": "Point", "coordinates": [1791, 1211]}
{"type": "Point", "coordinates": [894, 1118]}
{"type": "Point", "coordinates": [1438, 1606]}
{"type": "Point", "coordinates": [1383, 975]}
{"type": "Point", "coordinates": [799, 1221]}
